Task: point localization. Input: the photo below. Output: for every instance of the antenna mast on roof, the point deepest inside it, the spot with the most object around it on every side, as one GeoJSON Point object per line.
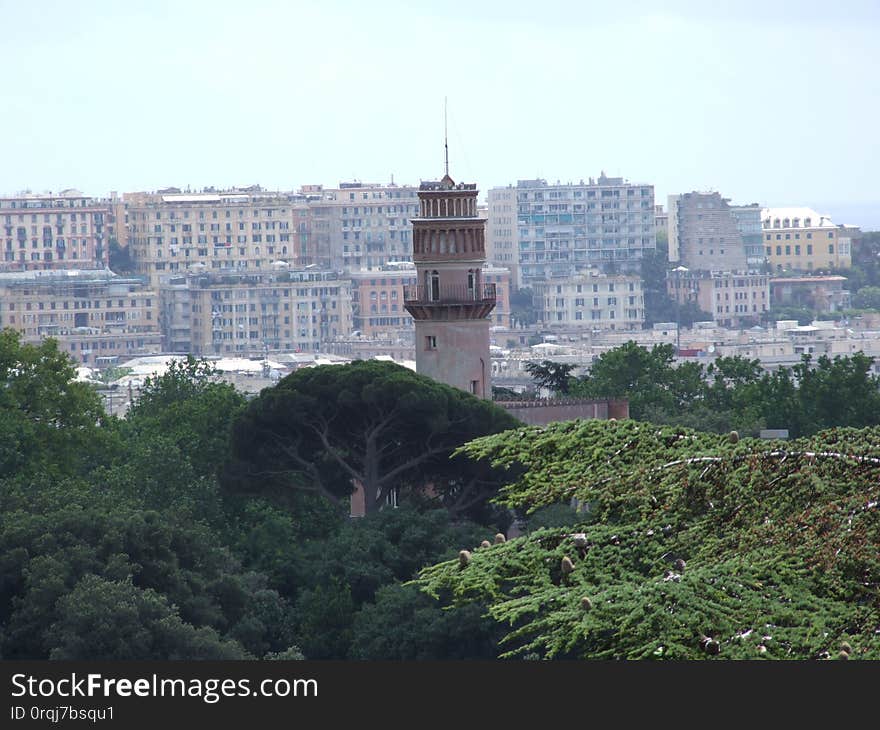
{"type": "Point", "coordinates": [445, 136]}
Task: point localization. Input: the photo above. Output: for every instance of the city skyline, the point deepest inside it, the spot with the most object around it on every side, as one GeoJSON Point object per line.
{"type": "Point", "coordinates": [754, 102]}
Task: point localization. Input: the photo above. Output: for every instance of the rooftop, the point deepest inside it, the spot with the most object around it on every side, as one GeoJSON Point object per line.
{"type": "Point", "coordinates": [796, 218]}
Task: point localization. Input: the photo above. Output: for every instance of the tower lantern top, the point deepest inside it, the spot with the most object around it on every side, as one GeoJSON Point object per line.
{"type": "Point", "coordinates": [446, 184]}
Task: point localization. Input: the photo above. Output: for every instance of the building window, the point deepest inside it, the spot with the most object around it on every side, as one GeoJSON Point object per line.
{"type": "Point", "coordinates": [430, 342]}
{"type": "Point", "coordinates": [475, 386]}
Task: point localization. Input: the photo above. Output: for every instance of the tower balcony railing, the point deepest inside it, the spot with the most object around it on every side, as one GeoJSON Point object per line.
{"type": "Point", "coordinates": [447, 294]}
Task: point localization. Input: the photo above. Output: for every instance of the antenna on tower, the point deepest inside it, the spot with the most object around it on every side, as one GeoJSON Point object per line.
{"type": "Point", "coordinates": [445, 136]}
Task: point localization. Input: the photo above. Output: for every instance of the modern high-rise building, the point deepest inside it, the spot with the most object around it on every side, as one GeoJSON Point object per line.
{"type": "Point", "coordinates": [66, 230]}
{"type": "Point", "coordinates": [451, 303]}
{"type": "Point", "coordinates": [565, 229]}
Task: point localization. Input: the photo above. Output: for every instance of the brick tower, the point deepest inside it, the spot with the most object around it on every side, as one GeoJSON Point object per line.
{"type": "Point", "coordinates": [450, 303]}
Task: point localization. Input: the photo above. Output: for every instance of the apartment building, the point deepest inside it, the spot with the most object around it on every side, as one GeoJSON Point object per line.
{"type": "Point", "coordinates": [706, 233]}
{"type": "Point", "coordinates": [280, 310]}
{"type": "Point", "coordinates": [565, 229]}
{"type": "Point", "coordinates": [800, 239]}
{"type": "Point", "coordinates": [593, 300]}
{"type": "Point", "coordinates": [66, 230]}
{"type": "Point", "coordinates": [96, 316]}
{"type": "Point", "coordinates": [733, 298]}
{"type": "Point", "coordinates": [361, 225]}
{"type": "Point", "coordinates": [241, 230]}
{"type": "Point", "coordinates": [377, 300]}
{"type": "Point", "coordinates": [501, 240]}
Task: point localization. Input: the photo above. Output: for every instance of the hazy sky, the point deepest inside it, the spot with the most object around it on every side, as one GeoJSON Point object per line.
{"type": "Point", "coordinates": [769, 102]}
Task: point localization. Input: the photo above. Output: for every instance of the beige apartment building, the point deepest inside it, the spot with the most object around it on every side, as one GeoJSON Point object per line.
{"type": "Point", "coordinates": [242, 230]}
{"type": "Point", "coordinates": [594, 300]}
{"type": "Point", "coordinates": [800, 239]}
{"type": "Point", "coordinates": [733, 298]}
{"type": "Point", "coordinates": [66, 230]}
{"type": "Point", "coordinates": [96, 316]}
{"type": "Point", "coordinates": [250, 314]}
{"type": "Point", "coordinates": [361, 226]}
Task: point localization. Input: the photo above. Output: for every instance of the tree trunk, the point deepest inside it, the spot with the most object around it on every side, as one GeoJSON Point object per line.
{"type": "Point", "coordinates": [372, 492]}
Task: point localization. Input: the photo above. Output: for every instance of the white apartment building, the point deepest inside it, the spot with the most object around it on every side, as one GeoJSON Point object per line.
{"type": "Point", "coordinates": [564, 229]}
{"type": "Point", "coordinates": [592, 300]}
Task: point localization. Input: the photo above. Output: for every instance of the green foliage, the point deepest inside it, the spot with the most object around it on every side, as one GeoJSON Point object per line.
{"type": "Point", "coordinates": [112, 620]}
{"type": "Point", "coordinates": [325, 615]}
{"type": "Point", "coordinates": [423, 630]}
{"type": "Point", "coordinates": [554, 376]}
{"type": "Point", "coordinates": [387, 546]}
{"type": "Point", "coordinates": [695, 545]}
{"type": "Point", "coordinates": [336, 577]}
{"type": "Point", "coordinates": [735, 393]}
{"type": "Point", "coordinates": [522, 307]}
{"type": "Point", "coordinates": [188, 407]}
{"type": "Point", "coordinates": [116, 542]}
{"type": "Point", "coordinates": [804, 315]}
{"type": "Point", "coordinates": [54, 534]}
{"type": "Point", "coordinates": [376, 424]}
{"type": "Point", "coordinates": [868, 297]}
{"type": "Point", "coordinates": [48, 422]}
{"type": "Point", "coordinates": [120, 258]}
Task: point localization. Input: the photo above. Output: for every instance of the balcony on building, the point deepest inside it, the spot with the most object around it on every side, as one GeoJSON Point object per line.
{"type": "Point", "coordinates": [449, 301]}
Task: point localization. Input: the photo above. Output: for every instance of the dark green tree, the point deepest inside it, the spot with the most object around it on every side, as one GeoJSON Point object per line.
{"type": "Point", "coordinates": [49, 423]}
{"type": "Point", "coordinates": [120, 258]}
{"type": "Point", "coordinates": [554, 376]}
{"type": "Point", "coordinates": [189, 406]}
{"type": "Point", "coordinates": [522, 307]}
{"type": "Point", "coordinates": [423, 629]}
{"type": "Point", "coordinates": [102, 620]}
{"type": "Point", "coordinates": [645, 377]}
{"type": "Point", "coordinates": [375, 424]}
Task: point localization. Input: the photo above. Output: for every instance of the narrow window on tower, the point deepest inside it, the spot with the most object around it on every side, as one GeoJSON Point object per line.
{"type": "Point", "coordinates": [430, 342]}
{"type": "Point", "coordinates": [475, 384]}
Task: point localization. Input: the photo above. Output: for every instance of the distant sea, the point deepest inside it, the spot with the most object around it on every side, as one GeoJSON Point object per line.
{"type": "Point", "coordinates": [864, 215]}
